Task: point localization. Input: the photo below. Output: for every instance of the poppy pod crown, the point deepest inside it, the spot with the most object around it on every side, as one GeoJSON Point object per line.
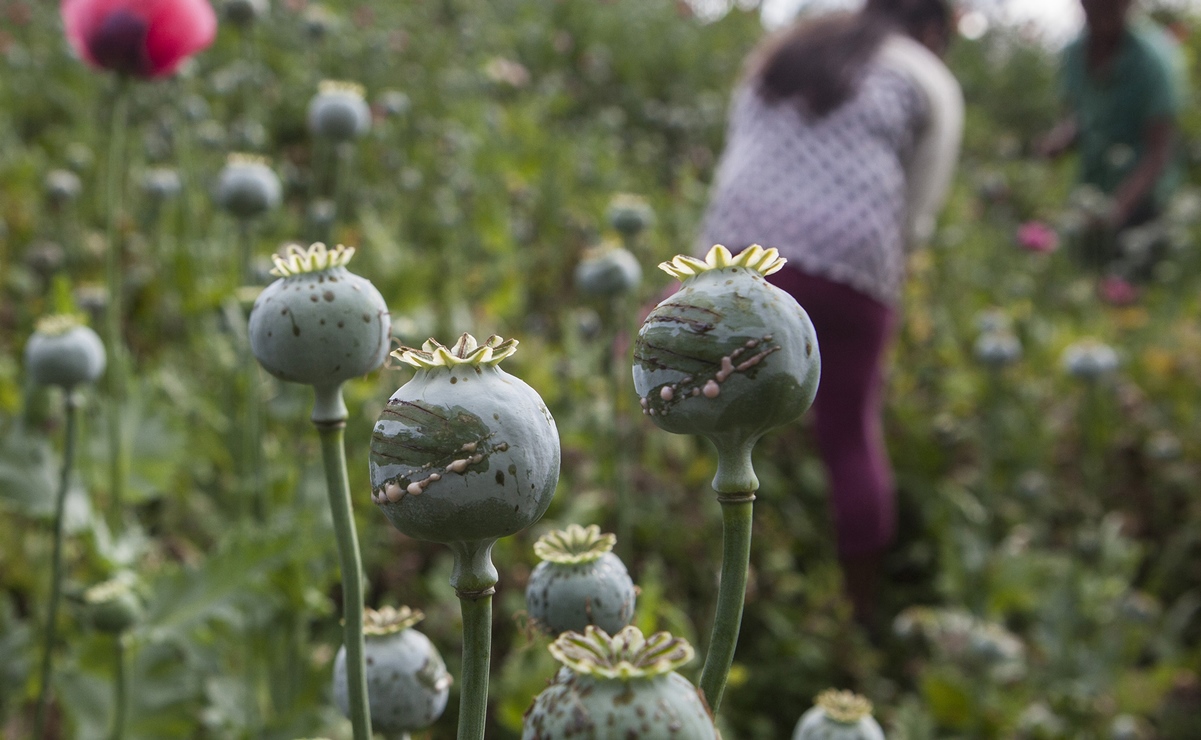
{"type": "Point", "coordinates": [141, 38]}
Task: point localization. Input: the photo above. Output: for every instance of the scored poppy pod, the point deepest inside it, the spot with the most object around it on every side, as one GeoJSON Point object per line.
{"type": "Point", "coordinates": [142, 38]}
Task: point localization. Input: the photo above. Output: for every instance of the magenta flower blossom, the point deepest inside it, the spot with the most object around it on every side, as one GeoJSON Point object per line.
{"type": "Point", "coordinates": [141, 38]}
{"type": "Point", "coordinates": [1036, 236]}
{"type": "Point", "coordinates": [1117, 291]}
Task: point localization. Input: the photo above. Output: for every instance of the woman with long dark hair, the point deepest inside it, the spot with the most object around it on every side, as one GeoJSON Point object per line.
{"type": "Point", "coordinates": [841, 143]}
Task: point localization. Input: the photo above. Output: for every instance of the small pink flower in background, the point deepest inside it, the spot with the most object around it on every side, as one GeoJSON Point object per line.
{"type": "Point", "coordinates": [1036, 236]}
{"type": "Point", "coordinates": [1117, 291]}
{"type": "Point", "coordinates": [142, 38]}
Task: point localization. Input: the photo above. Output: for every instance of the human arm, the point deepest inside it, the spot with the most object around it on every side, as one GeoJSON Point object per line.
{"type": "Point", "coordinates": [1059, 139]}
{"type": "Point", "coordinates": [1158, 138]}
{"type": "Point", "coordinates": [931, 168]}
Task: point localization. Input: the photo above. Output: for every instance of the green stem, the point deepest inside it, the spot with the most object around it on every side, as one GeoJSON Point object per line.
{"type": "Point", "coordinates": [343, 158]}
{"type": "Point", "coordinates": [474, 580]}
{"type": "Point", "coordinates": [252, 475]}
{"type": "Point", "coordinates": [56, 571]}
{"type": "Point", "coordinates": [117, 369]}
{"type": "Point", "coordinates": [992, 437]}
{"type": "Point", "coordinates": [731, 593]}
{"type": "Point", "coordinates": [252, 440]}
{"type": "Point", "coordinates": [618, 371]}
{"type": "Point", "coordinates": [245, 252]}
{"type": "Point", "coordinates": [119, 688]}
{"type": "Point", "coordinates": [1092, 440]}
{"type": "Point", "coordinates": [333, 452]}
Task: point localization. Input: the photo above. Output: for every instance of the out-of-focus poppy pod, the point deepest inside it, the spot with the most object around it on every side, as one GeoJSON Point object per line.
{"type": "Point", "coordinates": [143, 38]}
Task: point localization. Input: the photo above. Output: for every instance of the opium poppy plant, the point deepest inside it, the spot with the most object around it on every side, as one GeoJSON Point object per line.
{"type": "Point", "coordinates": [141, 38]}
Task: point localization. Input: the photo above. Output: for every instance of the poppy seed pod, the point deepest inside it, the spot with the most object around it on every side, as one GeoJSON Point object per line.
{"type": "Point", "coordinates": [64, 352]}
{"type": "Point", "coordinates": [319, 324]}
{"type": "Point", "coordinates": [44, 257]}
{"type": "Point", "coordinates": [318, 21]}
{"type": "Point", "coordinates": [393, 103]}
{"type": "Point", "coordinates": [580, 582]}
{"type": "Point", "coordinates": [247, 187]}
{"type": "Point", "coordinates": [1089, 359]}
{"type": "Point", "coordinates": [79, 157]}
{"type": "Point", "coordinates": [463, 452]}
{"type": "Point", "coordinates": [997, 348]}
{"type": "Point", "coordinates": [729, 356]}
{"type": "Point", "coordinates": [143, 38]}
{"type": "Point", "coordinates": [407, 682]}
{"type": "Point", "coordinates": [629, 215]}
{"type": "Point", "coordinates": [161, 184]}
{"type": "Point", "coordinates": [608, 271]}
{"type": "Point", "coordinates": [339, 111]}
{"type": "Point", "coordinates": [244, 12]}
{"type": "Point", "coordinates": [62, 186]}
{"type": "Point", "coordinates": [112, 606]}
{"type": "Point", "coordinates": [839, 715]}
{"type": "Point", "coordinates": [620, 686]}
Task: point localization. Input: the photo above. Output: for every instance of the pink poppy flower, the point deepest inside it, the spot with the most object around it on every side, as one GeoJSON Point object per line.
{"type": "Point", "coordinates": [1117, 291]}
{"type": "Point", "coordinates": [142, 38]}
{"type": "Point", "coordinates": [1035, 236]}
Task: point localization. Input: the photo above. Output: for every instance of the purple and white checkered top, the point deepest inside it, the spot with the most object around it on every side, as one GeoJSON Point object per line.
{"type": "Point", "coordinates": [831, 193]}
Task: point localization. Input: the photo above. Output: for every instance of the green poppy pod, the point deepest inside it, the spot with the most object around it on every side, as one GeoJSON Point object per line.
{"type": "Point", "coordinates": [339, 111]}
{"type": "Point", "coordinates": [319, 324]}
{"type": "Point", "coordinates": [838, 715]}
{"type": "Point", "coordinates": [608, 271]}
{"type": "Point", "coordinates": [463, 452]}
{"type": "Point", "coordinates": [728, 356]}
{"type": "Point", "coordinates": [64, 352]}
{"type": "Point", "coordinates": [1089, 359]}
{"type": "Point", "coordinates": [997, 348]}
{"type": "Point", "coordinates": [244, 12]}
{"type": "Point", "coordinates": [580, 582]}
{"type": "Point", "coordinates": [620, 686]}
{"type": "Point", "coordinates": [62, 186]}
{"type": "Point", "coordinates": [247, 187]}
{"type": "Point", "coordinates": [407, 682]}
{"type": "Point", "coordinates": [393, 103]}
{"type": "Point", "coordinates": [161, 184]}
{"type": "Point", "coordinates": [629, 215]}
{"type": "Point", "coordinates": [113, 606]}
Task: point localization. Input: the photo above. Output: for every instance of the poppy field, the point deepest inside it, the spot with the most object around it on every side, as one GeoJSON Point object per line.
{"type": "Point", "coordinates": [177, 556]}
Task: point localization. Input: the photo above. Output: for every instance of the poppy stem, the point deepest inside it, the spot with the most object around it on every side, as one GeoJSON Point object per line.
{"type": "Point", "coordinates": [56, 572]}
{"type": "Point", "coordinates": [735, 484]}
{"type": "Point", "coordinates": [474, 580]}
{"type": "Point", "coordinates": [618, 371]}
{"type": "Point", "coordinates": [117, 365]}
{"type": "Point", "coordinates": [333, 451]}
{"type": "Point", "coordinates": [731, 594]}
{"type": "Point", "coordinates": [119, 688]}
{"type": "Point", "coordinates": [253, 490]}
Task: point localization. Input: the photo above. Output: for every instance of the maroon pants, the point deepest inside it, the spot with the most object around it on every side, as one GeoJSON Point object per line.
{"type": "Point", "coordinates": [853, 334]}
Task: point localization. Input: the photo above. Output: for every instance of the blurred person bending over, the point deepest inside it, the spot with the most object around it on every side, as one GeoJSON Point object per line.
{"type": "Point", "coordinates": [841, 143]}
{"type": "Point", "coordinates": [1123, 84]}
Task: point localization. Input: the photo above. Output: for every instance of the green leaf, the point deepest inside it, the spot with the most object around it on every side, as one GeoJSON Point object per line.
{"type": "Point", "coordinates": [233, 576]}
{"type": "Point", "coordinates": [28, 474]}
{"type": "Point", "coordinates": [949, 701]}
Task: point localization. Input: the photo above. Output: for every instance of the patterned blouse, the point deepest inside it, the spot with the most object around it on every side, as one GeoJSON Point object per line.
{"type": "Point", "coordinates": [829, 193]}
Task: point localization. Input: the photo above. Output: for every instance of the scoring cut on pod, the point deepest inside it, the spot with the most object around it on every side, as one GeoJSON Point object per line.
{"type": "Point", "coordinates": [463, 452]}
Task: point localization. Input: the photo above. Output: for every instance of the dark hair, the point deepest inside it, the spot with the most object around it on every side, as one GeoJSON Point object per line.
{"type": "Point", "coordinates": [819, 63]}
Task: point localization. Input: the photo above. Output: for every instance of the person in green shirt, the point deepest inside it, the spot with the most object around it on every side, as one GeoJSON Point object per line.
{"type": "Point", "coordinates": [1123, 82]}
